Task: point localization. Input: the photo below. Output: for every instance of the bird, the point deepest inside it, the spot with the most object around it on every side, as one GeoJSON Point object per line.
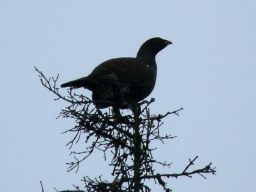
{"type": "Point", "coordinates": [123, 82]}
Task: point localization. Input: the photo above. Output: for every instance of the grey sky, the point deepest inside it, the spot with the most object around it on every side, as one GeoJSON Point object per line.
{"type": "Point", "coordinates": [210, 70]}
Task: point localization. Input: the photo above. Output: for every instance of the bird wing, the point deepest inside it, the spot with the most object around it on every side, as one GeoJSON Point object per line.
{"type": "Point", "coordinates": [122, 71]}
{"type": "Point", "coordinates": [105, 76]}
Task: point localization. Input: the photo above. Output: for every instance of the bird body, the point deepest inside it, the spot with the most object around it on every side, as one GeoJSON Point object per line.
{"type": "Point", "coordinates": [123, 82]}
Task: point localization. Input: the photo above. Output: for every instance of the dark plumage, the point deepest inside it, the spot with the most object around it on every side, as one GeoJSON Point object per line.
{"type": "Point", "coordinates": [123, 82]}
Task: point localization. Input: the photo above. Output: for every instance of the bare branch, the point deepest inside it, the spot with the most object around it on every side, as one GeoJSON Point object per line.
{"type": "Point", "coordinates": [128, 138]}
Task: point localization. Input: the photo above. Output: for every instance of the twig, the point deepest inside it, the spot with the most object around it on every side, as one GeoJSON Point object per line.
{"type": "Point", "coordinates": [42, 186]}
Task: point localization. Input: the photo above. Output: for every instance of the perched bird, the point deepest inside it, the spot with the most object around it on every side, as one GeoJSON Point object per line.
{"type": "Point", "coordinates": [123, 82]}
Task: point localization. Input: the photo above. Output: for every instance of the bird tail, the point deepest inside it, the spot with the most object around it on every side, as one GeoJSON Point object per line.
{"type": "Point", "coordinates": [82, 82]}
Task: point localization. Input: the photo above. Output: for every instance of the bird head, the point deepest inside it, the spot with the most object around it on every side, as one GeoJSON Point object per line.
{"type": "Point", "coordinates": [152, 46]}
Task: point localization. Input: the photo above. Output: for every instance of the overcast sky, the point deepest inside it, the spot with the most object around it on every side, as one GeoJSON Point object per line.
{"type": "Point", "coordinates": [210, 70]}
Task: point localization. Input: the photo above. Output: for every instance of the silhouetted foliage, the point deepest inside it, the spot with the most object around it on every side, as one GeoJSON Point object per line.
{"type": "Point", "coordinates": [128, 137]}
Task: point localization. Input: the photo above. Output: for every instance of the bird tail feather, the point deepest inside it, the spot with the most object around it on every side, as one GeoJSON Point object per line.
{"type": "Point", "coordinates": [82, 82]}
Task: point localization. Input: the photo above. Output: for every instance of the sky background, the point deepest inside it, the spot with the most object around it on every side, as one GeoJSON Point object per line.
{"type": "Point", "coordinates": [210, 70]}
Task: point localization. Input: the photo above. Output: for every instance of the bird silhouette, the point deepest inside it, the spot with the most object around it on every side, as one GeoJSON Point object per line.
{"type": "Point", "coordinates": [123, 82]}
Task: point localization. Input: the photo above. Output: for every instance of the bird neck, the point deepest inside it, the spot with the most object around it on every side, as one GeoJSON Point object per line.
{"type": "Point", "coordinates": [146, 56]}
{"type": "Point", "coordinates": [150, 61]}
{"type": "Point", "coordinates": [153, 68]}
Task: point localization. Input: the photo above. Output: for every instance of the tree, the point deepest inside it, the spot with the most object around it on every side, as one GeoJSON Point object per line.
{"type": "Point", "coordinates": [128, 137]}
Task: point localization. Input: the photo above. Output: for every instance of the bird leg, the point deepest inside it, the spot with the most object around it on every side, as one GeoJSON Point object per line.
{"type": "Point", "coordinates": [117, 113]}
{"type": "Point", "coordinates": [134, 106]}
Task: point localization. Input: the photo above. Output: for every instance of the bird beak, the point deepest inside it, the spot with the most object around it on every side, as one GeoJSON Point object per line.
{"type": "Point", "coordinates": [168, 42]}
